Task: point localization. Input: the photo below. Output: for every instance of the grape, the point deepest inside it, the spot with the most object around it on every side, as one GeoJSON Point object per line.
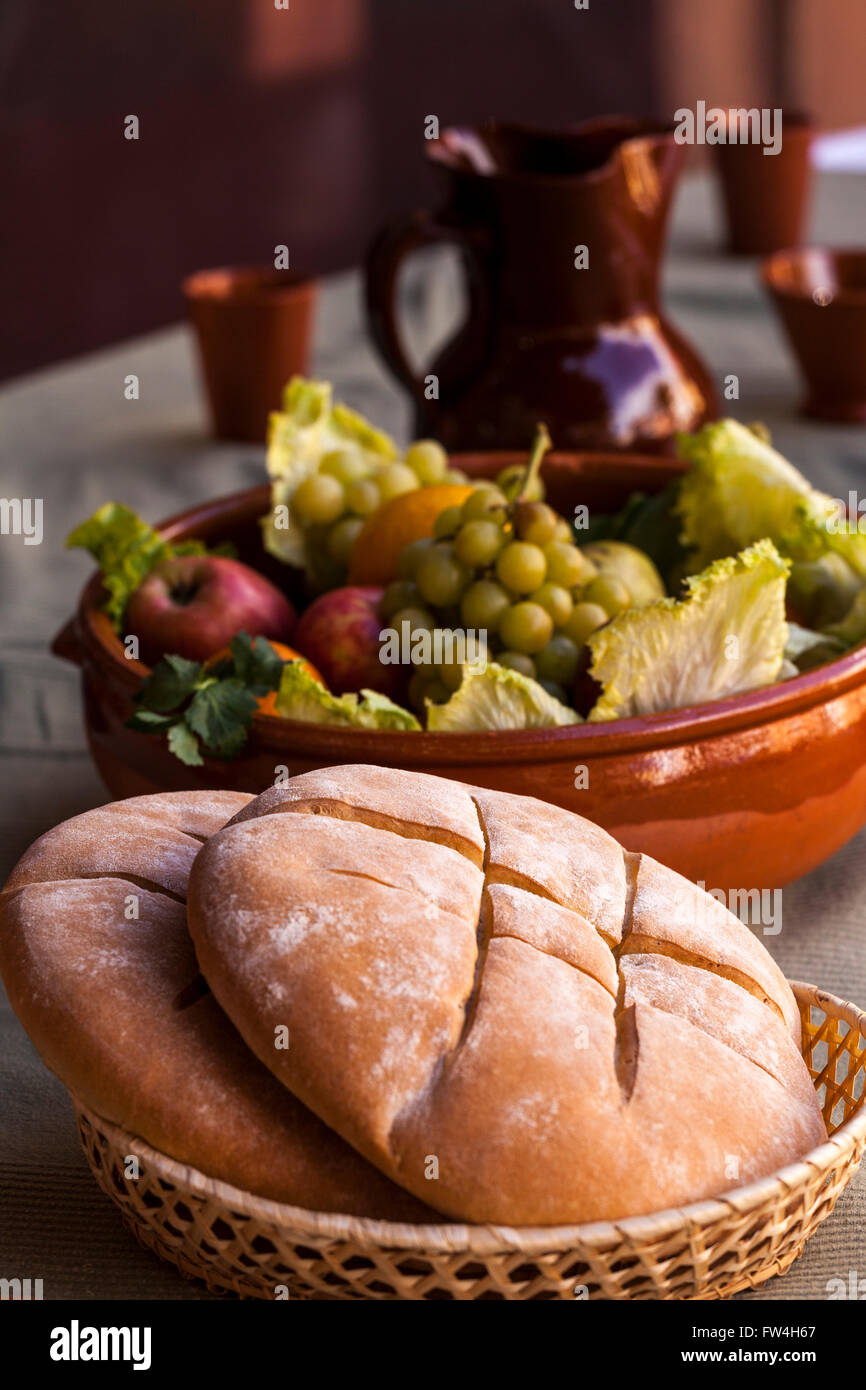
{"type": "Point", "coordinates": [440, 576]}
{"type": "Point", "coordinates": [558, 661]}
{"type": "Point", "coordinates": [438, 692]}
{"type": "Point", "coordinates": [526, 627]}
{"type": "Point", "coordinates": [323, 571]}
{"type": "Point", "coordinates": [563, 531]}
{"type": "Point", "coordinates": [363, 497]}
{"type": "Point", "coordinates": [585, 619]}
{"type": "Point", "coordinates": [447, 523]}
{"type": "Point", "coordinates": [346, 465]}
{"type": "Point", "coordinates": [319, 499]}
{"type": "Point", "coordinates": [521, 567]}
{"type": "Point", "coordinates": [483, 604]}
{"type": "Point", "coordinates": [343, 537]}
{"type": "Point", "coordinates": [455, 476]}
{"type": "Point", "coordinates": [609, 593]}
{"type": "Point", "coordinates": [555, 689]}
{"type": "Point", "coordinates": [511, 479]}
{"type": "Point", "coordinates": [448, 616]}
{"type": "Point", "coordinates": [536, 522]}
{"type": "Point", "coordinates": [477, 543]}
{"type": "Point", "coordinates": [402, 593]}
{"type": "Point", "coordinates": [556, 600]}
{"type": "Point", "coordinates": [451, 674]}
{"type": "Point", "coordinates": [419, 619]}
{"type": "Point", "coordinates": [428, 461]}
{"type": "Point", "coordinates": [565, 564]}
{"type": "Point", "coordinates": [485, 501]}
{"type": "Point", "coordinates": [407, 562]}
{"type": "Point", "coordinates": [395, 479]}
{"type": "Point", "coordinates": [517, 661]}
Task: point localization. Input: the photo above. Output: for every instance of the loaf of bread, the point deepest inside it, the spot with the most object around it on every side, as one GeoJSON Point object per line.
{"type": "Point", "coordinates": [393, 995]}
{"type": "Point", "coordinates": [99, 967]}
{"type": "Point", "coordinates": [489, 999]}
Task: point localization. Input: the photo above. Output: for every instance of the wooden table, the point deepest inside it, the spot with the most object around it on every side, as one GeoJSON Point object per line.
{"type": "Point", "coordinates": [70, 437]}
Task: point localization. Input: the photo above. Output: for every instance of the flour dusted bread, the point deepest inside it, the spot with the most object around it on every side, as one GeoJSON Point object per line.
{"type": "Point", "coordinates": [487, 988]}
{"type": "Point", "coordinates": [493, 1011]}
{"type": "Point", "coordinates": [99, 966]}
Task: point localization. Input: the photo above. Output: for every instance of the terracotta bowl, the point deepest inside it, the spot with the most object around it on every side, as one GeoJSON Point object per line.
{"type": "Point", "coordinates": [820, 296]}
{"type": "Point", "coordinates": [748, 792]}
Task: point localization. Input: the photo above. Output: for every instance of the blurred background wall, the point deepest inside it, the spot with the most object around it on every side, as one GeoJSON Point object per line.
{"type": "Point", "coordinates": [304, 126]}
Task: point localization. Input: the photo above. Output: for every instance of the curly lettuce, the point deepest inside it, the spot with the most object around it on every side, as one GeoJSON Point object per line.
{"type": "Point", "coordinates": [726, 636]}
{"type": "Point", "coordinates": [495, 697]}
{"type": "Point", "coordinates": [739, 490]}
{"type": "Point", "coordinates": [301, 696]}
{"type": "Point", "coordinates": [308, 427]}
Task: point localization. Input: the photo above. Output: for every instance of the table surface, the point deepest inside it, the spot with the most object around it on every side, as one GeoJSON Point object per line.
{"type": "Point", "coordinates": [70, 437]}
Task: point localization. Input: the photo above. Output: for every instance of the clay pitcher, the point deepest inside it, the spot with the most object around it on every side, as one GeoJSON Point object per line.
{"type": "Point", "coordinates": [561, 237]}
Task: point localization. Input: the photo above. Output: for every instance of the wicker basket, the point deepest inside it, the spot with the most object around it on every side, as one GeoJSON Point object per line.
{"type": "Point", "coordinates": [241, 1244]}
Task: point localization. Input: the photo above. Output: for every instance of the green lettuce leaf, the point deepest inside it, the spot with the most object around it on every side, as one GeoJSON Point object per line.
{"type": "Point", "coordinates": [850, 630]}
{"type": "Point", "coordinates": [727, 635]}
{"type": "Point", "coordinates": [496, 697]}
{"type": "Point", "coordinates": [300, 696]}
{"type": "Point", "coordinates": [805, 648]}
{"type": "Point", "coordinates": [126, 549]}
{"type": "Point", "coordinates": [739, 490]}
{"type": "Point", "coordinates": [818, 533]}
{"type": "Point", "coordinates": [308, 427]}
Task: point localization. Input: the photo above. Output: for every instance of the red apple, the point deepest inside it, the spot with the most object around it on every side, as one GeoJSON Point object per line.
{"type": "Point", "coordinates": [193, 605]}
{"type": "Point", "coordinates": [339, 633]}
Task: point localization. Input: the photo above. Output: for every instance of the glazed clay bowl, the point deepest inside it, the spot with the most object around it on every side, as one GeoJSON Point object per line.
{"type": "Point", "coordinates": [820, 296]}
{"type": "Point", "coordinates": [747, 792]}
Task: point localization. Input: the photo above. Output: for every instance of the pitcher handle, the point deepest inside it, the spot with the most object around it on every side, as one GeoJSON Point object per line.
{"type": "Point", "coordinates": [384, 259]}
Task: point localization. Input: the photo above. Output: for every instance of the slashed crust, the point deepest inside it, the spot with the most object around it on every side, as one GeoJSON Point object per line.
{"type": "Point", "coordinates": [489, 1033]}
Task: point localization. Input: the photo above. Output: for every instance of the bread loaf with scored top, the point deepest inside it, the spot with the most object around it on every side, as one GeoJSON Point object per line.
{"type": "Point", "coordinates": [489, 999]}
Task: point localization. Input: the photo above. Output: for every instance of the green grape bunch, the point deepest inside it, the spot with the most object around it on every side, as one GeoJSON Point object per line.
{"type": "Point", "coordinates": [332, 504]}
{"type": "Point", "coordinates": [505, 563]}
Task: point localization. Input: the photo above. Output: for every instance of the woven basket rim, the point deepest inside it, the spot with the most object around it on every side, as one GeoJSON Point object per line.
{"type": "Point", "coordinates": [490, 1239]}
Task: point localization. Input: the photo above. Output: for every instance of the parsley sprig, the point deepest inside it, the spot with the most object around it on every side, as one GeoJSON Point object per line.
{"type": "Point", "coordinates": [197, 705]}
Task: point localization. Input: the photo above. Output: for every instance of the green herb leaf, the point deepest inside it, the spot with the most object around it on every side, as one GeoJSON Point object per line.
{"type": "Point", "coordinates": [184, 744]}
{"type": "Point", "coordinates": [148, 721]}
{"type": "Point", "coordinates": [170, 682]}
{"type": "Point", "coordinates": [221, 712]}
{"type": "Point", "coordinates": [256, 663]}
{"type": "Point", "coordinates": [211, 706]}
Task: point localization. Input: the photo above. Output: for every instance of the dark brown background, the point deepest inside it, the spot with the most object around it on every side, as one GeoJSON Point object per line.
{"type": "Point", "coordinates": [261, 126]}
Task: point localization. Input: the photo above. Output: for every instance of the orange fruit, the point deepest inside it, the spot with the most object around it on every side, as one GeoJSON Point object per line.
{"type": "Point", "coordinates": [391, 527]}
{"type": "Point", "coordinates": [267, 703]}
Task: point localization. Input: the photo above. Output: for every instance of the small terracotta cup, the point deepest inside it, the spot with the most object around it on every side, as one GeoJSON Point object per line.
{"type": "Point", "coordinates": [253, 328]}
{"type": "Point", "coordinates": [820, 296]}
{"type": "Point", "coordinates": [764, 195]}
